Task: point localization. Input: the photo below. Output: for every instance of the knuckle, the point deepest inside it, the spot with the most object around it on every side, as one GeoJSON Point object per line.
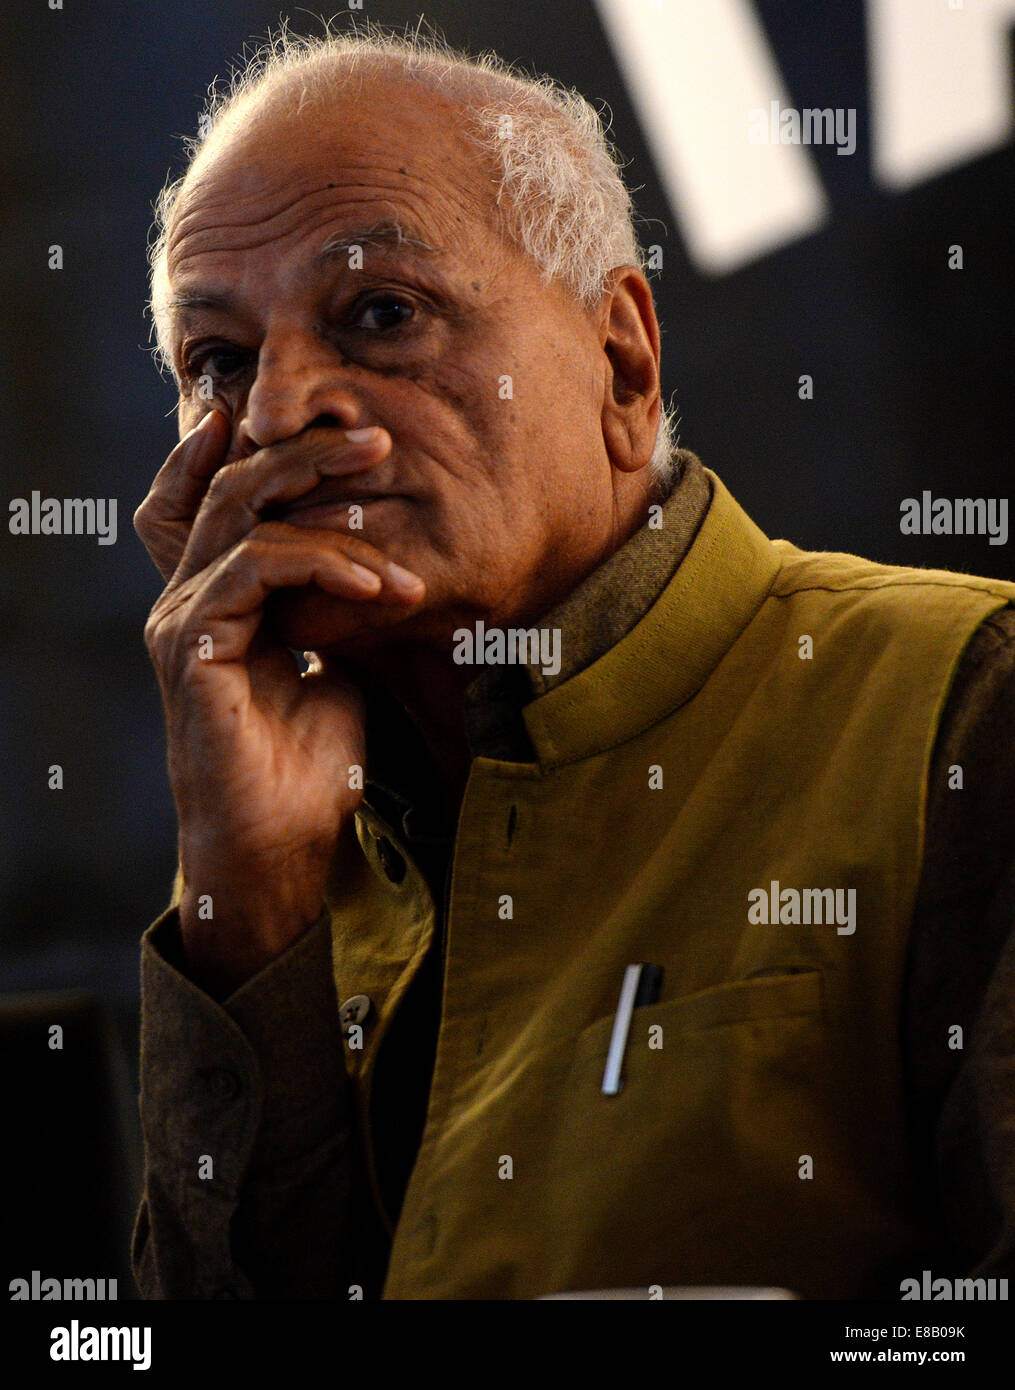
{"type": "Point", "coordinates": [166, 628]}
{"type": "Point", "coordinates": [226, 480]}
{"type": "Point", "coordinates": [356, 545]}
{"type": "Point", "coordinates": [267, 533]}
{"type": "Point", "coordinates": [241, 561]}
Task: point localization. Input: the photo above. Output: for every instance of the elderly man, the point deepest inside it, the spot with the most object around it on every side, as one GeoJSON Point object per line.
{"type": "Point", "coordinates": [565, 711]}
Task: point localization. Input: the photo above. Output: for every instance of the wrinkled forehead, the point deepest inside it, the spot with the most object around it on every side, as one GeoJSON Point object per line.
{"type": "Point", "coordinates": [384, 147]}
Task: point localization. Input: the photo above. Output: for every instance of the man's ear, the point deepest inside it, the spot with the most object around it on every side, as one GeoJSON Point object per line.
{"type": "Point", "coordinates": [629, 335]}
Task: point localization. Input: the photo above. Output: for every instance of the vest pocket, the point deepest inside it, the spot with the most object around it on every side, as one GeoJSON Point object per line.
{"type": "Point", "coordinates": [737, 1001]}
{"type": "Point", "coordinates": [691, 1174]}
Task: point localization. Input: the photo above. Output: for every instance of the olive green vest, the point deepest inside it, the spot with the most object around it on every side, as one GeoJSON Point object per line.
{"type": "Point", "coordinates": [711, 760]}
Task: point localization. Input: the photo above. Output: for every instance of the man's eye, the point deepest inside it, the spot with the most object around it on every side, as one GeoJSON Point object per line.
{"type": "Point", "coordinates": [386, 311]}
{"type": "Point", "coordinates": [219, 363]}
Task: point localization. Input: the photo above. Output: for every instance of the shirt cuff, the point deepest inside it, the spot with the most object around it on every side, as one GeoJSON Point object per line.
{"type": "Point", "coordinates": [268, 1060]}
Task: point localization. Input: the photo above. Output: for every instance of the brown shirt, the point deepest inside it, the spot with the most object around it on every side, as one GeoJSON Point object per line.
{"type": "Point", "coordinates": [258, 1080]}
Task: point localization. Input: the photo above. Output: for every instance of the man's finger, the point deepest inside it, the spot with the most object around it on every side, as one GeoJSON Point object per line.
{"type": "Point", "coordinates": [164, 518]}
{"type": "Point", "coordinates": [398, 585]}
{"type": "Point", "coordinates": [241, 491]}
{"type": "Point", "coordinates": [227, 600]}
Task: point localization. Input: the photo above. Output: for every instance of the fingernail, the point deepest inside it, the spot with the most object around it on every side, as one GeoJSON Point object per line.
{"type": "Point", "coordinates": [202, 424]}
{"type": "Point", "coordinates": [405, 579]}
{"type": "Point", "coordinates": [367, 578]}
{"type": "Point", "coordinates": [361, 436]}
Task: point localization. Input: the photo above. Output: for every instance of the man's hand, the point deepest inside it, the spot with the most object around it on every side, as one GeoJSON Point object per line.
{"type": "Point", "coordinates": [259, 755]}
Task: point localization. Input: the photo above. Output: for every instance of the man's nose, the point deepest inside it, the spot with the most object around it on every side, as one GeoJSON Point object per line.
{"type": "Point", "coordinates": [299, 382]}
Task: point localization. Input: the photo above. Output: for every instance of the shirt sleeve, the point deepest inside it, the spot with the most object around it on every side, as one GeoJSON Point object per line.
{"type": "Point", "coordinates": [248, 1124]}
{"type": "Point", "coordinates": [960, 1006]}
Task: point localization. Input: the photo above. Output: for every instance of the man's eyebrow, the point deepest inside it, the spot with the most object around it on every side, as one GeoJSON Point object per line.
{"type": "Point", "coordinates": [200, 299]}
{"type": "Point", "coordinates": [384, 235]}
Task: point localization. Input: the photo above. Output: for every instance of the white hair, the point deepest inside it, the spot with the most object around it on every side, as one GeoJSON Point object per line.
{"type": "Point", "coordinates": [560, 193]}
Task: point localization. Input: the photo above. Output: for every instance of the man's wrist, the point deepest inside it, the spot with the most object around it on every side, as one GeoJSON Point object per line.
{"type": "Point", "coordinates": [224, 946]}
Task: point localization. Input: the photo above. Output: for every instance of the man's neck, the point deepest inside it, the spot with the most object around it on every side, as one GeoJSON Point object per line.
{"type": "Point", "coordinates": [431, 687]}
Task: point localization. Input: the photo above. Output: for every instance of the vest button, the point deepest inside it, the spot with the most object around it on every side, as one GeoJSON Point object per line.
{"type": "Point", "coordinates": [219, 1082]}
{"type": "Point", "coordinates": [353, 1011]}
{"type": "Point", "coordinates": [391, 861]}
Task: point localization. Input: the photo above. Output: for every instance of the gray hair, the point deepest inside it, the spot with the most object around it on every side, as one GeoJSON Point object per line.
{"type": "Point", "coordinates": [560, 192]}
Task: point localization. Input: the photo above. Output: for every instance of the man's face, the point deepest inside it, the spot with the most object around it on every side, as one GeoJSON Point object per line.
{"type": "Point", "coordinates": [496, 488]}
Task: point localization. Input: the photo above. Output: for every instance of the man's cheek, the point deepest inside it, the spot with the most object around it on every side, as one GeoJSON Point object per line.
{"type": "Point", "coordinates": [189, 413]}
{"type": "Point", "coordinates": [192, 410]}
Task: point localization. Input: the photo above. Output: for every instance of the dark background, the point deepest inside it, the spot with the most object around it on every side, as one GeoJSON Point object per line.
{"type": "Point", "coordinates": [913, 390]}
